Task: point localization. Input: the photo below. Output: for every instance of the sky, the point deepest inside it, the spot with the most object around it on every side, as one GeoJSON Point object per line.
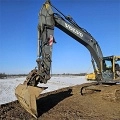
{"type": "Point", "coordinates": [18, 34]}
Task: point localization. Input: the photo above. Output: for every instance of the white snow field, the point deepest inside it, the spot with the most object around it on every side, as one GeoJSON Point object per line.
{"type": "Point", "coordinates": [7, 86]}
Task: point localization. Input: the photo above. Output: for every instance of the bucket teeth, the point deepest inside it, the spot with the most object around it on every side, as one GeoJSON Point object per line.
{"type": "Point", "coordinates": [27, 96]}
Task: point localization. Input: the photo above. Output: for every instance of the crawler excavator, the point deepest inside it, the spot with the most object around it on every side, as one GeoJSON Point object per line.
{"type": "Point", "coordinates": [28, 92]}
{"type": "Point", "coordinates": [111, 65]}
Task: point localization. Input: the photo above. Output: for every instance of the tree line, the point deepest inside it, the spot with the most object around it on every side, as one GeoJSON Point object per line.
{"type": "Point", "coordinates": [3, 75]}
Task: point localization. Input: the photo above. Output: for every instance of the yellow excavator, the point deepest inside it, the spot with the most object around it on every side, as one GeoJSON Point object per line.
{"type": "Point", "coordinates": [90, 76]}
{"type": "Point", "coordinates": [28, 92]}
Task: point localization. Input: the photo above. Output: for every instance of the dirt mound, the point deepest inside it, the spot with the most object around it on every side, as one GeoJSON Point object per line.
{"type": "Point", "coordinates": [66, 104]}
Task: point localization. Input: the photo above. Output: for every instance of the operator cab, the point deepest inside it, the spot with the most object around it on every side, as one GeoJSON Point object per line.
{"type": "Point", "coordinates": [117, 67]}
{"type": "Point", "coordinates": [111, 67]}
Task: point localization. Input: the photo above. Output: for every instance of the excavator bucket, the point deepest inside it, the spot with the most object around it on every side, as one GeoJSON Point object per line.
{"type": "Point", "coordinates": [27, 96]}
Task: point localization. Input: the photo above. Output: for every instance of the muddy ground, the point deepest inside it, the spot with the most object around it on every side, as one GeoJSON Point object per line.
{"type": "Point", "coordinates": [67, 104]}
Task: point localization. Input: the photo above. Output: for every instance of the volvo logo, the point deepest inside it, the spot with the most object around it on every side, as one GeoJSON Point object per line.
{"type": "Point", "coordinates": [73, 30]}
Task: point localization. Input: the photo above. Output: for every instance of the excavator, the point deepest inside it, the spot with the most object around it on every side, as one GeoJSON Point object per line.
{"type": "Point", "coordinates": [111, 64]}
{"type": "Point", "coordinates": [28, 92]}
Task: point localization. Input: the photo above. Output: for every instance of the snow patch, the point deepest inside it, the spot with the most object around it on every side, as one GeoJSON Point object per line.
{"type": "Point", "coordinates": [7, 86]}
